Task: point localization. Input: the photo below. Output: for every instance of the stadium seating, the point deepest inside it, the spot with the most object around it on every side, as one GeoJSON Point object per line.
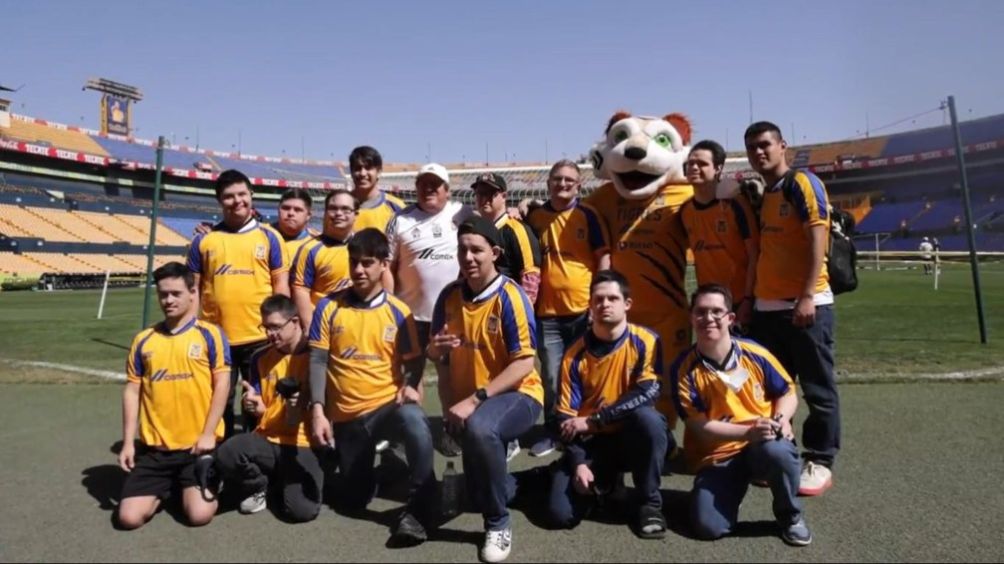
{"type": "Point", "coordinates": [888, 217]}
{"type": "Point", "coordinates": [20, 265]}
{"type": "Point", "coordinates": [933, 139]}
{"type": "Point", "coordinates": [61, 138]}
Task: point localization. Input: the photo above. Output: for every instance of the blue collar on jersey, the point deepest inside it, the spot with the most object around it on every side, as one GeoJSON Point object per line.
{"type": "Point", "coordinates": [731, 360]}
{"type": "Point", "coordinates": [332, 242]}
{"type": "Point", "coordinates": [162, 328]}
{"type": "Point", "coordinates": [301, 235]}
{"type": "Point", "coordinates": [249, 225]}
{"type": "Point", "coordinates": [489, 290]}
{"type": "Point", "coordinates": [600, 348]}
{"type": "Point", "coordinates": [574, 203]}
{"type": "Point", "coordinates": [354, 301]}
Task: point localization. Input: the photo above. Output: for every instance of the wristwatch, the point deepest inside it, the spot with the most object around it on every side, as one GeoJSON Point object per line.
{"type": "Point", "coordinates": [481, 394]}
{"type": "Point", "coordinates": [595, 419]}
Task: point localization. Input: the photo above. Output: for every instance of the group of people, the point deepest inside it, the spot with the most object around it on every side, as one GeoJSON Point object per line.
{"type": "Point", "coordinates": [328, 336]}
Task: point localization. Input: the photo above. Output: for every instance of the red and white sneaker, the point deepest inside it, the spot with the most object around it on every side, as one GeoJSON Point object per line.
{"type": "Point", "coordinates": [815, 479]}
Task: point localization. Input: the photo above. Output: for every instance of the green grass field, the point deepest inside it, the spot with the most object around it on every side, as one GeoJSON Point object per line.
{"type": "Point", "coordinates": [917, 478]}
{"type": "Point", "coordinates": [894, 324]}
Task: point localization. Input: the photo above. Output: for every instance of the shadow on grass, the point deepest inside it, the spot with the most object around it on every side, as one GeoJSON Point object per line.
{"type": "Point", "coordinates": [110, 344]}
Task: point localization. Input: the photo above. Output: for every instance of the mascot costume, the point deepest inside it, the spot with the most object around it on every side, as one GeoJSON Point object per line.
{"type": "Point", "coordinates": [643, 159]}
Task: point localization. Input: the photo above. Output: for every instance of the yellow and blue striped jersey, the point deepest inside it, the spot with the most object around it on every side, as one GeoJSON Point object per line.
{"type": "Point", "coordinates": [236, 269]}
{"type": "Point", "coordinates": [378, 214]}
{"type": "Point", "coordinates": [740, 392]}
{"type": "Point", "coordinates": [717, 233]}
{"type": "Point", "coordinates": [495, 327]}
{"type": "Point", "coordinates": [591, 381]}
{"type": "Point", "coordinates": [366, 342]}
{"type": "Point", "coordinates": [175, 374]}
{"type": "Point", "coordinates": [294, 244]}
{"type": "Point", "coordinates": [323, 267]}
{"type": "Point", "coordinates": [268, 366]}
{"type": "Point", "coordinates": [785, 247]}
{"type": "Point", "coordinates": [520, 248]}
{"type": "Point", "coordinates": [569, 241]}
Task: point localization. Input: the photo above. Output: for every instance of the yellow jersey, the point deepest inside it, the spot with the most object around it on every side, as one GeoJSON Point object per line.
{"type": "Point", "coordinates": [570, 239]}
{"type": "Point", "coordinates": [236, 269]}
{"type": "Point", "coordinates": [175, 374]}
{"type": "Point", "coordinates": [323, 267]}
{"type": "Point", "coordinates": [294, 244]}
{"type": "Point", "coordinates": [717, 233]}
{"type": "Point", "coordinates": [377, 215]}
{"type": "Point", "coordinates": [268, 366]}
{"type": "Point", "coordinates": [367, 341]}
{"type": "Point", "coordinates": [590, 382]}
{"type": "Point", "coordinates": [742, 391]}
{"type": "Point", "coordinates": [495, 327]}
{"type": "Point", "coordinates": [785, 247]}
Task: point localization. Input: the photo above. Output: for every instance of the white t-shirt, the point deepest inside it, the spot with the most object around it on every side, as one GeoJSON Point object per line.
{"type": "Point", "coordinates": [423, 249]}
{"type": "Point", "coordinates": [926, 247]}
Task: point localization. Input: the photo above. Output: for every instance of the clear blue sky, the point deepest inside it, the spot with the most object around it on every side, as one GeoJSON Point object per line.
{"type": "Point", "coordinates": [518, 76]}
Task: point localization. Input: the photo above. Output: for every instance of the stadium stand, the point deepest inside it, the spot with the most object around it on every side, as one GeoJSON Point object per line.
{"type": "Point", "coordinates": [53, 137]}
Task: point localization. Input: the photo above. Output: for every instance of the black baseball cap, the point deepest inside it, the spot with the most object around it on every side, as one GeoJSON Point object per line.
{"type": "Point", "coordinates": [478, 225]}
{"type": "Point", "coordinates": [496, 181]}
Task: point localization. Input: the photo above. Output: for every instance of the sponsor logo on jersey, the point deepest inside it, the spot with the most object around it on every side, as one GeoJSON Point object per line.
{"type": "Point", "coordinates": [432, 254]}
{"type": "Point", "coordinates": [229, 270]}
{"type": "Point", "coordinates": [163, 376]}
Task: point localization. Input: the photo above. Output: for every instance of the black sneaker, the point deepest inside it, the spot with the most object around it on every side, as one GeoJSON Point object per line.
{"type": "Point", "coordinates": [408, 531]}
{"type": "Point", "coordinates": [542, 447]}
{"type": "Point", "coordinates": [797, 534]}
{"type": "Point", "coordinates": [448, 446]}
{"type": "Point", "coordinates": [651, 523]}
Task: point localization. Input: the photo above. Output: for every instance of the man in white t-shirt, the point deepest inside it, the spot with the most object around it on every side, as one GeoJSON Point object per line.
{"type": "Point", "coordinates": [926, 248]}
{"type": "Point", "coordinates": [423, 246]}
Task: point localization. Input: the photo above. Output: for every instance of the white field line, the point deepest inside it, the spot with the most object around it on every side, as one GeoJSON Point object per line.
{"type": "Point", "coordinates": [104, 374]}
{"type": "Point", "coordinates": [993, 373]}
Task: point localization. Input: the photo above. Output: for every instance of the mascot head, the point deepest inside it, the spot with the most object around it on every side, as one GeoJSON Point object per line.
{"type": "Point", "coordinates": [642, 154]}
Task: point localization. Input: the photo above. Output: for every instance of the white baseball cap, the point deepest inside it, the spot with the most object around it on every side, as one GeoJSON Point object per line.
{"type": "Point", "coordinates": [435, 169]}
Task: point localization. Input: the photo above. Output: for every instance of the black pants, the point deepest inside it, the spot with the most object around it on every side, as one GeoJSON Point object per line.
{"type": "Point", "coordinates": [807, 354]}
{"type": "Point", "coordinates": [240, 369]}
{"type": "Point", "coordinates": [252, 462]}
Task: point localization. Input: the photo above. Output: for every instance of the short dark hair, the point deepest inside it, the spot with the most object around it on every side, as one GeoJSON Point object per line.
{"type": "Point", "coordinates": [604, 276]}
{"type": "Point", "coordinates": [175, 269]}
{"type": "Point", "coordinates": [369, 242]}
{"type": "Point", "coordinates": [228, 178]}
{"type": "Point", "coordinates": [278, 304]}
{"type": "Point", "coordinates": [337, 191]}
{"type": "Point", "coordinates": [564, 163]}
{"type": "Point", "coordinates": [366, 156]}
{"type": "Point", "coordinates": [297, 194]}
{"type": "Point", "coordinates": [712, 289]}
{"type": "Point", "coordinates": [759, 128]}
{"type": "Point", "coordinates": [716, 150]}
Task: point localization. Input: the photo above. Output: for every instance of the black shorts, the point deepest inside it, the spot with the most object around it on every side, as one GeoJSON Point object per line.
{"type": "Point", "coordinates": [158, 472]}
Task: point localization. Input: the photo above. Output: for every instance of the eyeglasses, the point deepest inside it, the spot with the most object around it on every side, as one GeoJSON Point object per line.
{"type": "Point", "coordinates": [273, 329]}
{"type": "Point", "coordinates": [716, 314]}
{"type": "Point", "coordinates": [563, 180]}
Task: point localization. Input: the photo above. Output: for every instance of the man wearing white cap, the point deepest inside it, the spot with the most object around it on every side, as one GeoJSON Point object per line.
{"type": "Point", "coordinates": [423, 246]}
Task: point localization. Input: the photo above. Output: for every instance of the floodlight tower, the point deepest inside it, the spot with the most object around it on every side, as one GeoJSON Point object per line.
{"type": "Point", "coordinates": [116, 104]}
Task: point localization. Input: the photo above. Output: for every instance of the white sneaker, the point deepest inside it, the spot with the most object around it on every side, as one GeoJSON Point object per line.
{"type": "Point", "coordinates": [815, 479]}
{"type": "Point", "coordinates": [497, 545]}
{"type": "Point", "coordinates": [382, 446]}
{"type": "Point", "coordinates": [511, 450]}
{"type": "Point", "coordinates": [254, 503]}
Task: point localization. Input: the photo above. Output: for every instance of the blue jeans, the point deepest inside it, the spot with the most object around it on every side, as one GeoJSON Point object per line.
{"type": "Point", "coordinates": [493, 424]}
{"type": "Point", "coordinates": [721, 487]}
{"type": "Point", "coordinates": [639, 446]}
{"type": "Point", "coordinates": [807, 354]}
{"type": "Point", "coordinates": [356, 441]}
{"type": "Point", "coordinates": [554, 336]}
